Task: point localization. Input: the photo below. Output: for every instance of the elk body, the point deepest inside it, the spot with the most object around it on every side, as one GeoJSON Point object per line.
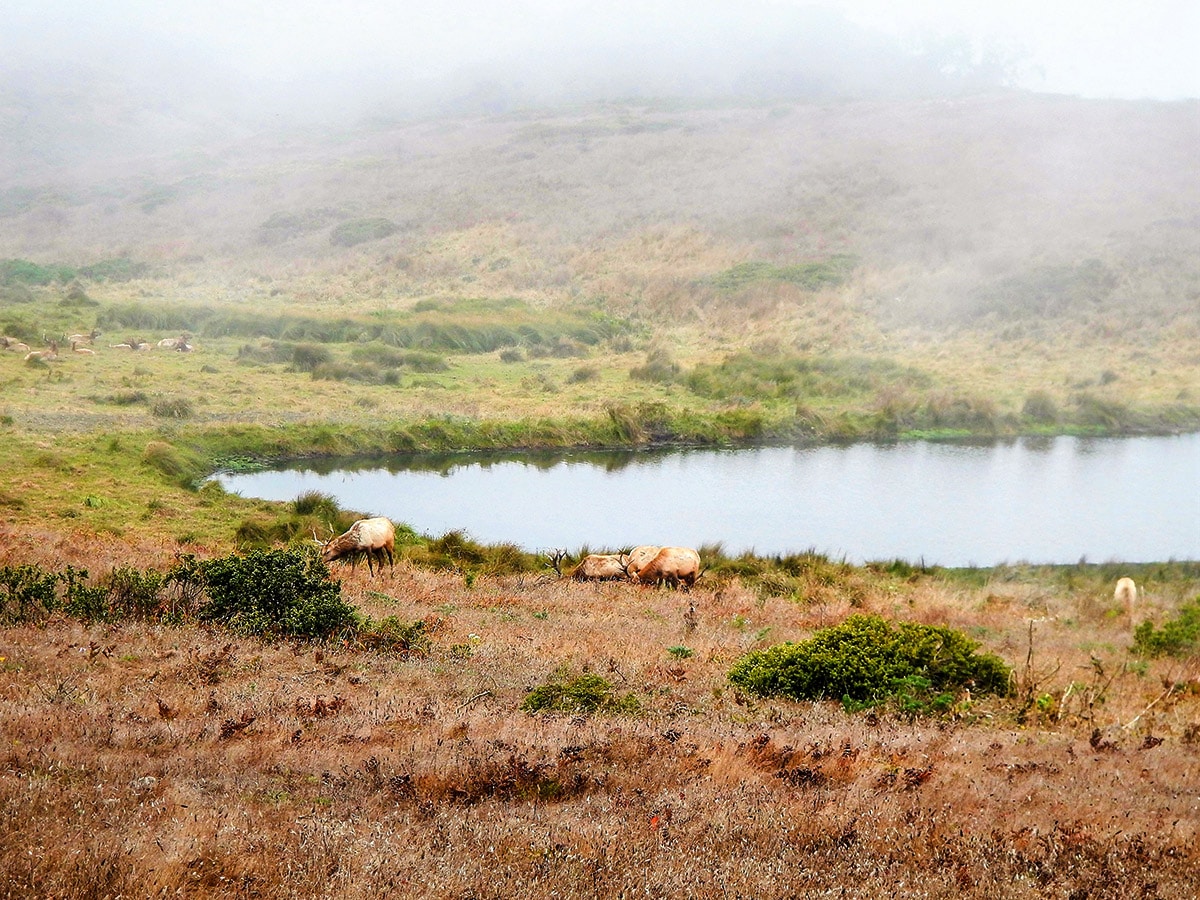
{"type": "Point", "coordinates": [1126, 594]}
{"type": "Point", "coordinates": [366, 536]}
{"type": "Point", "coordinates": [638, 557]}
{"type": "Point", "coordinates": [600, 567]}
{"type": "Point", "coordinates": [673, 565]}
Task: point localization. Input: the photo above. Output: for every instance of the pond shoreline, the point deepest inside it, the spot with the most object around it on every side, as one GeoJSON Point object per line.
{"type": "Point", "coordinates": [953, 503]}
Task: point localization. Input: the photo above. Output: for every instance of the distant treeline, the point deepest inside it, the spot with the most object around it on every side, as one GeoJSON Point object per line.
{"type": "Point", "coordinates": [462, 326]}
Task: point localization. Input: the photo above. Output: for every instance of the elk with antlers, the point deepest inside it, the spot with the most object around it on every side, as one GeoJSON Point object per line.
{"type": "Point", "coordinates": [365, 537]}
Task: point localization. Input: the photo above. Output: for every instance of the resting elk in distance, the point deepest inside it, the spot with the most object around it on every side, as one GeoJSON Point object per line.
{"type": "Point", "coordinates": [673, 565]}
{"type": "Point", "coordinates": [365, 537]}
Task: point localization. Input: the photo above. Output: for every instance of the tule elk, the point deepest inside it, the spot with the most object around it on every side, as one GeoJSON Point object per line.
{"type": "Point", "coordinates": [599, 567]}
{"type": "Point", "coordinates": [1126, 594]}
{"type": "Point", "coordinates": [366, 536]}
{"type": "Point", "coordinates": [673, 565]}
{"type": "Point", "coordinates": [638, 557]}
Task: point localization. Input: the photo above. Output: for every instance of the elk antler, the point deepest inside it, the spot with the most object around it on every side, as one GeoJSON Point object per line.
{"type": "Point", "coordinates": [554, 561]}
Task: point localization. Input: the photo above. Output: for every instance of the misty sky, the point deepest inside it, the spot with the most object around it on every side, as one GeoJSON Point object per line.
{"type": "Point", "coordinates": [1097, 48]}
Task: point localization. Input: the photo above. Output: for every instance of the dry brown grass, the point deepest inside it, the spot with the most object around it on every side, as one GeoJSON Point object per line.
{"type": "Point", "coordinates": [148, 761]}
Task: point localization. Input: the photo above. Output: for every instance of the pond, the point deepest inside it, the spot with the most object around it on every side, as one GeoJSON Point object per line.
{"type": "Point", "coordinates": [1038, 500]}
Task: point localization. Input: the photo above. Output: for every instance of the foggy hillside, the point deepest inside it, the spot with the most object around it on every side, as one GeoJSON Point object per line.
{"type": "Point", "coordinates": [944, 197]}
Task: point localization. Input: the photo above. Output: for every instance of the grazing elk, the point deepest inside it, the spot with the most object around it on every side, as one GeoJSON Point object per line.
{"type": "Point", "coordinates": [673, 565]}
{"type": "Point", "coordinates": [638, 557]}
{"type": "Point", "coordinates": [1126, 595]}
{"type": "Point", "coordinates": [365, 537]}
{"type": "Point", "coordinates": [600, 567]}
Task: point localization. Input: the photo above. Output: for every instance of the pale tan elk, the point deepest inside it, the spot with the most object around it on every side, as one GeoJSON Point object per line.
{"type": "Point", "coordinates": [1126, 595]}
{"type": "Point", "coordinates": [673, 565]}
{"type": "Point", "coordinates": [638, 557]}
{"type": "Point", "coordinates": [83, 351]}
{"type": "Point", "coordinates": [365, 537]}
{"type": "Point", "coordinates": [599, 567]}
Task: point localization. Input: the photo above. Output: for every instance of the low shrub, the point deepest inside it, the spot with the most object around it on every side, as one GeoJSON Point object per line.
{"type": "Point", "coordinates": [395, 636]}
{"type": "Point", "coordinates": [277, 593]}
{"type": "Point", "coordinates": [583, 694]}
{"type": "Point", "coordinates": [359, 231]}
{"type": "Point", "coordinates": [868, 661]}
{"type": "Point", "coordinates": [27, 593]}
{"type": "Point", "coordinates": [1180, 637]}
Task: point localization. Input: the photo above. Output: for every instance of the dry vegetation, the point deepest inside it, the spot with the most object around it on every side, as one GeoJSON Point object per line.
{"type": "Point", "coordinates": [149, 760]}
{"type": "Point", "coordinates": [1005, 248]}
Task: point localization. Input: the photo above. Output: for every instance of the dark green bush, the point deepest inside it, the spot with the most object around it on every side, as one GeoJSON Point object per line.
{"type": "Point", "coordinates": [27, 593]}
{"type": "Point", "coordinates": [582, 694]}
{"type": "Point", "coordinates": [125, 594]}
{"type": "Point", "coordinates": [134, 594]}
{"type": "Point", "coordinates": [1179, 637]}
{"type": "Point", "coordinates": [866, 660]}
{"type": "Point", "coordinates": [276, 593]}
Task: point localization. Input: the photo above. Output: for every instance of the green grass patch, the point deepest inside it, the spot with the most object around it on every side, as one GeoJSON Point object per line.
{"type": "Point", "coordinates": [588, 693]}
{"type": "Point", "coordinates": [811, 276]}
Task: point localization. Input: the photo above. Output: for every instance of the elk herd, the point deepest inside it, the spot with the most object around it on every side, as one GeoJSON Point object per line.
{"type": "Point", "coordinates": [83, 345]}
{"type": "Point", "coordinates": [375, 539]}
{"type": "Point", "coordinates": [646, 564]}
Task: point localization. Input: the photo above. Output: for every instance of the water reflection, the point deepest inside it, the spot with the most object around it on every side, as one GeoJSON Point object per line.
{"type": "Point", "coordinates": [1033, 499]}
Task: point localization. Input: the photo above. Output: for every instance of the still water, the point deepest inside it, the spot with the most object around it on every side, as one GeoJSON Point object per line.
{"type": "Point", "coordinates": [1041, 500]}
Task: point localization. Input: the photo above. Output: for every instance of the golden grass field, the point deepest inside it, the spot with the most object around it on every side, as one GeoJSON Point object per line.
{"type": "Point", "coordinates": [153, 760]}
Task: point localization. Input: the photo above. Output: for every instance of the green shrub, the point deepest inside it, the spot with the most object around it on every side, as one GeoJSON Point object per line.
{"type": "Point", "coordinates": [125, 594]}
{"type": "Point", "coordinates": [583, 694]}
{"type": "Point", "coordinates": [393, 635]}
{"type": "Point", "coordinates": [120, 268]}
{"type": "Point", "coordinates": [358, 231]}
{"type": "Point", "coordinates": [866, 660]}
{"type": "Point", "coordinates": [1180, 637]}
{"type": "Point", "coordinates": [133, 594]}
{"type": "Point", "coordinates": [27, 593]}
{"type": "Point", "coordinates": [276, 593]}
{"type": "Point", "coordinates": [22, 271]}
